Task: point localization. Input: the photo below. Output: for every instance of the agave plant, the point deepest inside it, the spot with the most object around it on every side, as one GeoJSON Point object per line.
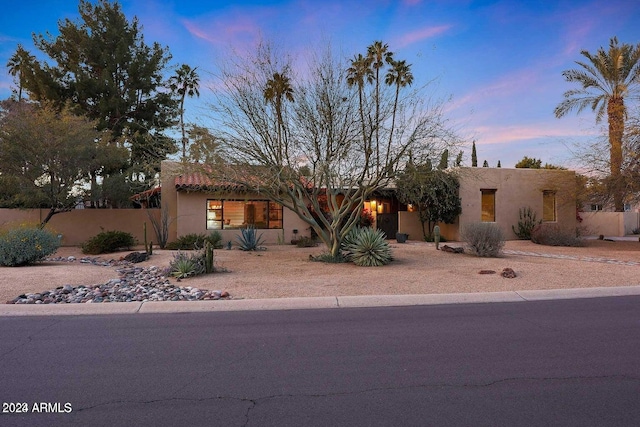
{"type": "Point", "coordinates": [249, 240]}
{"type": "Point", "coordinates": [183, 266]}
{"type": "Point", "coordinates": [367, 247]}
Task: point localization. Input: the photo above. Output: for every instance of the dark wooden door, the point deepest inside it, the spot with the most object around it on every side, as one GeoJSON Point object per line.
{"type": "Point", "coordinates": [388, 223]}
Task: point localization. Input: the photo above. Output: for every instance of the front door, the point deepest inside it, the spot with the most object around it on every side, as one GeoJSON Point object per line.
{"type": "Point", "coordinates": [388, 222]}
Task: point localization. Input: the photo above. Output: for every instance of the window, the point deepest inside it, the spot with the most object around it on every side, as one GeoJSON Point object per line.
{"type": "Point", "coordinates": [549, 206]}
{"type": "Point", "coordinates": [596, 207]}
{"type": "Point", "coordinates": [229, 214]}
{"type": "Point", "coordinates": [488, 205]}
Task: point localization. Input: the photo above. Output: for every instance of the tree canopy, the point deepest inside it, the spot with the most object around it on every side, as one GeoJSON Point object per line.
{"type": "Point", "coordinates": [533, 163]}
{"type": "Point", "coordinates": [605, 80]}
{"type": "Point", "coordinates": [343, 133]}
{"type": "Point", "coordinates": [46, 154]}
{"type": "Point", "coordinates": [102, 65]}
{"type": "Point", "coordinates": [434, 194]}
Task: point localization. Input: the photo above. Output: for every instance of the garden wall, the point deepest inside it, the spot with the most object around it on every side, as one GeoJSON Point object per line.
{"type": "Point", "coordinates": [610, 224]}
{"type": "Point", "coordinates": [79, 225]}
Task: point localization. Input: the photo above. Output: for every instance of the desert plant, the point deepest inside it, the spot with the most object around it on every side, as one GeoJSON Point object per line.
{"type": "Point", "coordinates": [184, 265]}
{"type": "Point", "coordinates": [161, 226]}
{"type": "Point", "coordinates": [193, 241]}
{"type": "Point", "coordinates": [328, 258]}
{"type": "Point", "coordinates": [215, 238]}
{"type": "Point", "coordinates": [24, 246]}
{"type": "Point", "coordinates": [484, 239]}
{"type": "Point", "coordinates": [208, 257]}
{"type": "Point", "coordinates": [526, 223]}
{"type": "Point", "coordinates": [635, 231]}
{"type": "Point", "coordinates": [249, 240]}
{"type": "Point", "coordinates": [436, 236]}
{"type": "Point", "coordinates": [552, 234]}
{"type": "Point", "coordinates": [306, 242]}
{"type": "Point", "coordinates": [108, 241]}
{"type": "Point", "coordinates": [367, 247]}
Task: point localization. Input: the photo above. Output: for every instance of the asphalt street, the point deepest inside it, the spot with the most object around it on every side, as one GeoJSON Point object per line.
{"type": "Point", "coordinates": [570, 362]}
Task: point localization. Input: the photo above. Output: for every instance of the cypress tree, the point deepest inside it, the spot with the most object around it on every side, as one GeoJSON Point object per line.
{"type": "Point", "coordinates": [474, 156]}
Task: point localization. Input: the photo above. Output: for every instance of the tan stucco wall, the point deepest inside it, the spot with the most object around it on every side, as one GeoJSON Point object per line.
{"type": "Point", "coordinates": [515, 189]}
{"type": "Point", "coordinates": [409, 222]}
{"type": "Point", "coordinates": [609, 224]}
{"type": "Point", "coordinates": [78, 225]}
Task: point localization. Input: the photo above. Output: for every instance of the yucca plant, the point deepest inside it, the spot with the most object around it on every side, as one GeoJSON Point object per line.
{"type": "Point", "coordinates": [249, 240]}
{"type": "Point", "coordinates": [367, 247]}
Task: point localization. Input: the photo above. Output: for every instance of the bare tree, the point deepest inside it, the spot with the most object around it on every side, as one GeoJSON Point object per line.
{"type": "Point", "coordinates": [313, 154]}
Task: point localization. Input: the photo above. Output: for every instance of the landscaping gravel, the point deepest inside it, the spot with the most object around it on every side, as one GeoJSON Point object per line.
{"type": "Point", "coordinates": [135, 284]}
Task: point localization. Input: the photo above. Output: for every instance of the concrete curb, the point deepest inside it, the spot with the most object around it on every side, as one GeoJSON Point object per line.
{"type": "Point", "coordinates": [310, 303]}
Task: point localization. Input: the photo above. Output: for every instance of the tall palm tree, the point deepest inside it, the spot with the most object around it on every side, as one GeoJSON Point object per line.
{"type": "Point", "coordinates": [606, 79]}
{"type": "Point", "coordinates": [379, 55]}
{"type": "Point", "coordinates": [277, 90]}
{"type": "Point", "coordinates": [359, 74]}
{"type": "Point", "coordinates": [18, 65]}
{"type": "Point", "coordinates": [401, 76]}
{"type": "Point", "coordinates": [185, 82]}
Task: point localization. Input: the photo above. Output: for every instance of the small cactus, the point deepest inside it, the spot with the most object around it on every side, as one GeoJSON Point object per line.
{"type": "Point", "coordinates": [436, 236]}
{"type": "Point", "coordinates": [208, 258]}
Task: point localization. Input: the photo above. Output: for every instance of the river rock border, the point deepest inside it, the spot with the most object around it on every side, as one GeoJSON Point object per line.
{"type": "Point", "coordinates": [135, 284]}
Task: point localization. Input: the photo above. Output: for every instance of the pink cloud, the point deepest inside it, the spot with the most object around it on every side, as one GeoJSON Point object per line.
{"type": "Point", "coordinates": [421, 34]}
{"type": "Point", "coordinates": [225, 34]}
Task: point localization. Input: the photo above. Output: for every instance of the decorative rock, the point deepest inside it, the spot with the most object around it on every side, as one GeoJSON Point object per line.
{"type": "Point", "coordinates": [134, 284]}
{"type": "Point", "coordinates": [447, 248]}
{"type": "Point", "coordinates": [137, 257]}
{"type": "Point", "coordinates": [508, 273]}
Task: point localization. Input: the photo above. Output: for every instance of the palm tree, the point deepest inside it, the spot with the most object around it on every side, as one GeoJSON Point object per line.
{"type": "Point", "coordinates": [606, 79]}
{"type": "Point", "coordinates": [401, 76]}
{"type": "Point", "coordinates": [359, 74]}
{"type": "Point", "coordinates": [18, 64]}
{"type": "Point", "coordinates": [378, 53]}
{"type": "Point", "coordinates": [186, 82]}
{"type": "Point", "coordinates": [277, 89]}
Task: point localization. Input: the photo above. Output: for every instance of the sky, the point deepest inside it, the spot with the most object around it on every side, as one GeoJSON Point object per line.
{"type": "Point", "coordinates": [497, 64]}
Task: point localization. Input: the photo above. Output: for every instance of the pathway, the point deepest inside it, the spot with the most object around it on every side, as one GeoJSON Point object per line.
{"type": "Point", "coordinates": [571, 257]}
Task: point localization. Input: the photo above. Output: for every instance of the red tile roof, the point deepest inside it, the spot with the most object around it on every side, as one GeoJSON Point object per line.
{"type": "Point", "coordinates": [201, 182]}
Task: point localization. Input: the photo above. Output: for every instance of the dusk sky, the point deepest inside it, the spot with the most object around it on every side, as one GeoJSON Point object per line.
{"type": "Point", "coordinates": [500, 63]}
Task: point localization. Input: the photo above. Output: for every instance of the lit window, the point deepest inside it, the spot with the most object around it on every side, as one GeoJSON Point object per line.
{"type": "Point", "coordinates": [229, 214]}
{"type": "Point", "coordinates": [488, 205]}
{"type": "Point", "coordinates": [549, 206]}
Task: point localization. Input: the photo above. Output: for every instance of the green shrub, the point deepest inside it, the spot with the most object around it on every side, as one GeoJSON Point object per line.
{"type": "Point", "coordinates": [552, 234]}
{"type": "Point", "coordinates": [215, 238]}
{"type": "Point", "coordinates": [484, 239]}
{"type": "Point", "coordinates": [249, 240]}
{"type": "Point", "coordinates": [108, 241]}
{"type": "Point", "coordinates": [367, 247]}
{"type": "Point", "coordinates": [24, 246]}
{"type": "Point", "coordinates": [193, 241]}
{"type": "Point", "coordinates": [326, 257]}
{"type": "Point", "coordinates": [306, 242]}
{"type": "Point", "coordinates": [526, 223]}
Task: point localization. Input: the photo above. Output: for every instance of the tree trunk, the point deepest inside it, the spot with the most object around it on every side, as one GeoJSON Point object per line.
{"type": "Point", "coordinates": [615, 111]}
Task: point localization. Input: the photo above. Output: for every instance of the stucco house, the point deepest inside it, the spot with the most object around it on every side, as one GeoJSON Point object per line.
{"type": "Point", "coordinates": [487, 194]}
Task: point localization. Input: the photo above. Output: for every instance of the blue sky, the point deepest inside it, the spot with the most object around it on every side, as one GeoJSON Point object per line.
{"type": "Point", "coordinates": [499, 62]}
